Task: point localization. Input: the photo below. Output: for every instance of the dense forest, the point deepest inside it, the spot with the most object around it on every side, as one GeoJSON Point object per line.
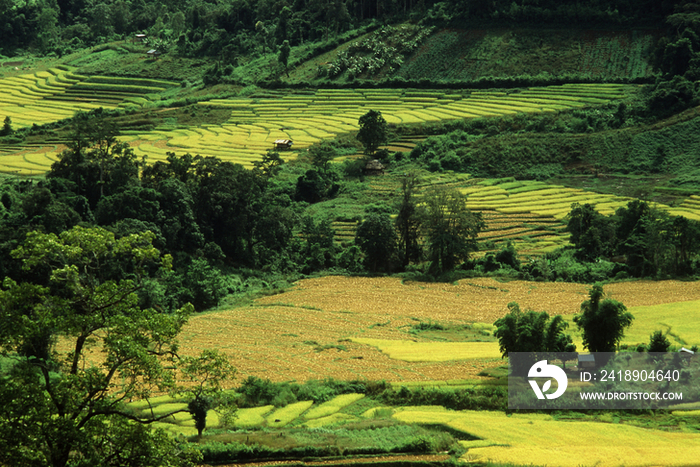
{"type": "Point", "coordinates": [241, 27]}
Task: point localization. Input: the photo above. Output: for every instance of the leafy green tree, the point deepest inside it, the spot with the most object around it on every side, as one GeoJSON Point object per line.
{"type": "Point", "coordinates": [6, 127]}
{"type": "Point", "coordinates": [591, 232]}
{"type": "Point", "coordinates": [283, 57]}
{"type": "Point", "coordinates": [602, 323]}
{"type": "Point", "coordinates": [206, 371]}
{"type": "Point", "coordinates": [95, 161]}
{"type": "Point", "coordinates": [532, 332]}
{"type": "Point", "coordinates": [63, 408]}
{"type": "Point", "coordinates": [270, 165]}
{"type": "Point", "coordinates": [315, 186]}
{"type": "Point", "coordinates": [376, 237]}
{"type": "Point", "coordinates": [408, 222]}
{"type": "Point", "coordinates": [658, 342]}
{"type": "Point", "coordinates": [321, 156]}
{"type": "Point", "coordinates": [451, 229]}
{"type": "Point", "coordinates": [373, 131]}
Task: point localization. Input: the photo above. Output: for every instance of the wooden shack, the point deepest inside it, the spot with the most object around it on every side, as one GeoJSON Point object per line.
{"type": "Point", "coordinates": [586, 361]}
{"type": "Point", "coordinates": [153, 53]}
{"type": "Point", "coordinates": [373, 167]}
{"type": "Point", "coordinates": [283, 144]}
{"type": "Point", "coordinates": [139, 38]}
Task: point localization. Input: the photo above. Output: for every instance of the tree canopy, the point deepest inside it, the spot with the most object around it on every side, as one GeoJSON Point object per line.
{"type": "Point", "coordinates": [602, 322]}
{"type": "Point", "coordinates": [63, 405]}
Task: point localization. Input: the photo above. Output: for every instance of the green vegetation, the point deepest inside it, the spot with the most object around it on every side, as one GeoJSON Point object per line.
{"type": "Point", "coordinates": [547, 140]}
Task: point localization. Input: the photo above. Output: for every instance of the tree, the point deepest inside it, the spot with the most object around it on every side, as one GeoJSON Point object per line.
{"type": "Point", "coordinates": [451, 229]}
{"type": "Point", "coordinates": [588, 230]}
{"type": "Point", "coordinates": [6, 127]}
{"type": "Point", "coordinates": [602, 322]}
{"type": "Point", "coordinates": [408, 222]}
{"type": "Point", "coordinates": [65, 407]}
{"type": "Point", "coordinates": [376, 238]}
{"type": "Point", "coordinates": [283, 58]}
{"type": "Point", "coordinates": [95, 161]}
{"type": "Point", "coordinates": [373, 131]}
{"type": "Point", "coordinates": [658, 342]}
{"type": "Point", "coordinates": [532, 332]}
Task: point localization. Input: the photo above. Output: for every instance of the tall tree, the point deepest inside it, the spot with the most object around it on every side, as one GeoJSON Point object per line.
{"type": "Point", "coordinates": [408, 222]}
{"type": "Point", "coordinates": [451, 229]}
{"type": "Point", "coordinates": [373, 131]}
{"type": "Point", "coordinates": [65, 407]}
{"type": "Point", "coordinates": [602, 322]}
{"type": "Point", "coordinates": [376, 238]}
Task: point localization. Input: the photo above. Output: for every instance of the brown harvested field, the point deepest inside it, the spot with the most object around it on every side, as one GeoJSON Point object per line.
{"type": "Point", "coordinates": [282, 337]}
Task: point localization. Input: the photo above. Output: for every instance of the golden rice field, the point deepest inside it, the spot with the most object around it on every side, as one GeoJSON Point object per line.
{"type": "Point", "coordinates": [56, 94]}
{"type": "Point", "coordinates": [538, 439]}
{"type": "Point", "coordinates": [310, 117]}
{"type": "Point", "coordinates": [334, 326]}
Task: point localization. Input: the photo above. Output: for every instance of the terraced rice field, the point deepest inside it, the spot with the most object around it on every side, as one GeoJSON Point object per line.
{"type": "Point", "coordinates": [530, 214]}
{"type": "Point", "coordinates": [340, 326]}
{"type": "Point", "coordinates": [304, 413]}
{"type": "Point", "coordinates": [56, 94]}
{"type": "Point", "coordinates": [538, 439]}
{"type": "Point", "coordinates": [310, 117]}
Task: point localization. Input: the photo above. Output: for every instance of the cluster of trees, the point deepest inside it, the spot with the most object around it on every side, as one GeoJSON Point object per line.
{"type": "Point", "coordinates": [223, 29]}
{"type": "Point", "coordinates": [602, 323]}
{"type": "Point", "coordinates": [228, 29]}
{"type": "Point", "coordinates": [648, 241]}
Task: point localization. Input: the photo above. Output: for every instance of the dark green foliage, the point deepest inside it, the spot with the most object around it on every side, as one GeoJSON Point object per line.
{"type": "Point", "coordinates": [602, 322]}
{"type": "Point", "coordinates": [95, 162]}
{"type": "Point", "coordinates": [373, 131]}
{"type": "Point", "coordinates": [205, 285]}
{"type": "Point", "coordinates": [6, 127]}
{"type": "Point", "coordinates": [198, 407]}
{"type": "Point", "coordinates": [591, 232]}
{"type": "Point", "coordinates": [531, 332]}
{"type": "Point", "coordinates": [315, 186]}
{"type": "Point", "coordinates": [658, 342]}
{"type": "Point", "coordinates": [408, 222]}
{"type": "Point", "coordinates": [486, 398]}
{"type": "Point", "coordinates": [377, 239]}
{"type": "Point", "coordinates": [508, 256]}
{"type": "Point", "coordinates": [257, 392]}
{"type": "Point", "coordinates": [450, 229]}
{"type": "Point", "coordinates": [318, 249]}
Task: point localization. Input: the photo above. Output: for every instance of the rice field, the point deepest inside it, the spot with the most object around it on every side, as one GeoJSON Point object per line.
{"type": "Point", "coordinates": [278, 337]}
{"type": "Point", "coordinates": [57, 94]}
{"type": "Point", "coordinates": [304, 413]}
{"type": "Point", "coordinates": [310, 117]}
{"type": "Point", "coordinates": [256, 122]}
{"type": "Point", "coordinates": [538, 439]}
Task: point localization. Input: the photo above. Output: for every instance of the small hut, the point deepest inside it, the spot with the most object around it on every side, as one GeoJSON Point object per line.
{"type": "Point", "coordinates": [586, 361]}
{"type": "Point", "coordinates": [283, 144]}
{"type": "Point", "coordinates": [374, 167]}
{"type": "Point", "coordinates": [153, 53]}
{"type": "Point", "coordinates": [139, 38]}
